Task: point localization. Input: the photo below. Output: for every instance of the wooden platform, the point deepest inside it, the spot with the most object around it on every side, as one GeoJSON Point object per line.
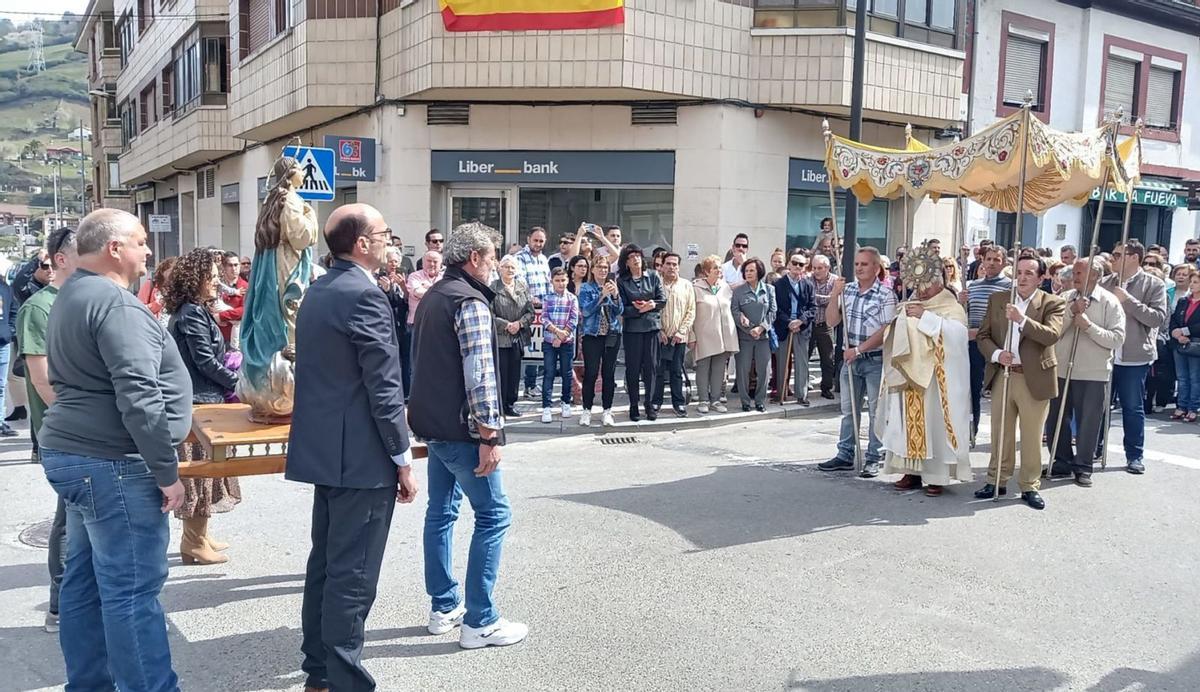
{"type": "Point", "coordinates": [234, 446]}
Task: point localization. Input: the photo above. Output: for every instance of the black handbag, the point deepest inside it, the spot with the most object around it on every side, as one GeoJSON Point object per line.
{"type": "Point", "coordinates": [1191, 348]}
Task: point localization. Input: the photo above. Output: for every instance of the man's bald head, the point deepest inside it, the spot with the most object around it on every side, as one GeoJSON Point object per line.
{"type": "Point", "coordinates": [103, 226]}
{"type": "Point", "coordinates": [347, 224]}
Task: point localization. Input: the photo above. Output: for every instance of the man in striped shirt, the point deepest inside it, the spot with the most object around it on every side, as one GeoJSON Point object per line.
{"type": "Point", "coordinates": [975, 298]}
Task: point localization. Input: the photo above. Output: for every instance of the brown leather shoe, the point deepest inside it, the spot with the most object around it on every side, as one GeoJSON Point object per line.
{"type": "Point", "coordinates": [910, 481]}
{"type": "Point", "coordinates": [933, 490]}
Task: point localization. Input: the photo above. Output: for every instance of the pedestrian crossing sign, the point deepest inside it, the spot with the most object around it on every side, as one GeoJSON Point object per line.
{"type": "Point", "coordinates": [317, 164]}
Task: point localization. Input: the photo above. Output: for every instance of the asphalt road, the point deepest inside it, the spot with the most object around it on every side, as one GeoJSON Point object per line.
{"type": "Point", "coordinates": [708, 559]}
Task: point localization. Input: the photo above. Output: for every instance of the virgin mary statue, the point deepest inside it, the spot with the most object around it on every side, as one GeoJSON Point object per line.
{"type": "Point", "coordinates": [284, 237]}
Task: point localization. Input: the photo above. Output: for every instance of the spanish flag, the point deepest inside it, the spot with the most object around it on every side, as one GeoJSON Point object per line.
{"type": "Point", "coordinates": [530, 15]}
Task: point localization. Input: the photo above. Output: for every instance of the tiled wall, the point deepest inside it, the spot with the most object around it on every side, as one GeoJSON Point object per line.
{"type": "Point", "coordinates": [201, 134]}
{"type": "Point", "coordinates": [817, 70]}
{"type": "Point", "coordinates": [319, 64]}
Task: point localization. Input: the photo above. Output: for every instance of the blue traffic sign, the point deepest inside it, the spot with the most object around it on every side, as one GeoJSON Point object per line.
{"type": "Point", "coordinates": [319, 175]}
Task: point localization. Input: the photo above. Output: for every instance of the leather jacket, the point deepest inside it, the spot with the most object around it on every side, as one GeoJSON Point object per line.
{"type": "Point", "coordinates": [203, 350]}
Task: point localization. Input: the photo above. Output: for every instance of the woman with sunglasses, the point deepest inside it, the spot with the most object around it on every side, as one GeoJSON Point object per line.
{"type": "Point", "coordinates": [643, 298]}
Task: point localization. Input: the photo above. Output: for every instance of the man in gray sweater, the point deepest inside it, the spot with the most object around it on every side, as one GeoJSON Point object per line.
{"type": "Point", "coordinates": [1144, 299]}
{"type": "Point", "coordinates": [122, 405]}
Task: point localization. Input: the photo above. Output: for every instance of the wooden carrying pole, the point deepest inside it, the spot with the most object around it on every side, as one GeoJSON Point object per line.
{"type": "Point", "coordinates": [1006, 373]}
{"type": "Point", "coordinates": [858, 457]}
{"type": "Point", "coordinates": [1063, 397]}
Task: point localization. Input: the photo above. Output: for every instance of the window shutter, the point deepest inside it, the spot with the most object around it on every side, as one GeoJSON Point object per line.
{"type": "Point", "coordinates": [1023, 62]}
{"type": "Point", "coordinates": [1120, 84]}
{"type": "Point", "coordinates": [1160, 98]}
{"type": "Point", "coordinates": [260, 24]}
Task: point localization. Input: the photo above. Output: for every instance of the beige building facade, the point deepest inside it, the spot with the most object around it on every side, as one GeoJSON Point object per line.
{"type": "Point", "coordinates": [691, 122]}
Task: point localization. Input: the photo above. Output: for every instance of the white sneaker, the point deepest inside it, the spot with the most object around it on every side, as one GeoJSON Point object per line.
{"type": "Point", "coordinates": [547, 416]}
{"type": "Point", "coordinates": [608, 419]}
{"type": "Point", "coordinates": [441, 623]}
{"type": "Point", "coordinates": [721, 408]}
{"type": "Point", "coordinates": [702, 408]}
{"type": "Point", "coordinates": [51, 624]}
{"type": "Point", "coordinates": [499, 633]}
{"type": "Point", "coordinates": [585, 418]}
{"type": "Point", "coordinates": [566, 410]}
{"type": "Point", "coordinates": [724, 400]}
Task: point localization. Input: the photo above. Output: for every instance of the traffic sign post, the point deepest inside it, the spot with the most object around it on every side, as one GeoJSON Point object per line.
{"type": "Point", "coordinates": [319, 176]}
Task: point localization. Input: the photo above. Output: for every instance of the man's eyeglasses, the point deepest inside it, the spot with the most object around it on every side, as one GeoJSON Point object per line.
{"type": "Point", "coordinates": [436, 241]}
{"type": "Point", "coordinates": [59, 246]}
{"type": "Point", "coordinates": [45, 265]}
{"type": "Point", "coordinates": [798, 264]}
{"type": "Point", "coordinates": [743, 246]}
{"type": "Point", "coordinates": [245, 264]}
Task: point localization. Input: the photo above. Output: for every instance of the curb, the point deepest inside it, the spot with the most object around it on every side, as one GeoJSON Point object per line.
{"type": "Point", "coordinates": [528, 427]}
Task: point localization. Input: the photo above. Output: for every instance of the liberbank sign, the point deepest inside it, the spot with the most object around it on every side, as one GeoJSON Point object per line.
{"type": "Point", "coordinates": [562, 167]}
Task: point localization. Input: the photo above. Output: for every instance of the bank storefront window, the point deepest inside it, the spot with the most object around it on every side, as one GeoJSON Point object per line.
{"type": "Point", "coordinates": [558, 190]}
{"type": "Point", "coordinates": [644, 215]}
{"type": "Point", "coordinates": [808, 203]}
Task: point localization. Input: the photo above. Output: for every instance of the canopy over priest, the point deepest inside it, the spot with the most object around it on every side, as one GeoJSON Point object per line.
{"type": "Point", "coordinates": [924, 417]}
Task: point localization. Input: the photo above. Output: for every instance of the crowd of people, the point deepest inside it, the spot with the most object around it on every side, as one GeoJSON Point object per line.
{"type": "Point", "coordinates": [436, 351]}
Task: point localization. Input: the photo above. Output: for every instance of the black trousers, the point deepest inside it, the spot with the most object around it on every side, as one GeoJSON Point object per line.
{"type": "Point", "coordinates": [1086, 405]}
{"type": "Point", "coordinates": [978, 366]}
{"type": "Point", "coordinates": [1160, 383]}
{"type": "Point", "coordinates": [600, 358]}
{"type": "Point", "coordinates": [670, 366]}
{"type": "Point", "coordinates": [822, 341]}
{"type": "Point", "coordinates": [641, 358]}
{"type": "Point", "coordinates": [510, 374]}
{"type": "Point", "coordinates": [349, 534]}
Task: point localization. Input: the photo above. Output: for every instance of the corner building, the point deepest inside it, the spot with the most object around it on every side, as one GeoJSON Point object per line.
{"type": "Point", "coordinates": [689, 123]}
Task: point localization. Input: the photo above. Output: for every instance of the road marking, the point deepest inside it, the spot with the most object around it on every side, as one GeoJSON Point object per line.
{"type": "Point", "coordinates": [1186, 462]}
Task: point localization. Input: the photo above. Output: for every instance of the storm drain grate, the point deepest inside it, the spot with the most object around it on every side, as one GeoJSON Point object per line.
{"type": "Point", "coordinates": [618, 440]}
{"type": "Point", "coordinates": [37, 535]}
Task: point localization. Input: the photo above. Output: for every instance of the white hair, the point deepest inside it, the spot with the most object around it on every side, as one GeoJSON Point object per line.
{"type": "Point", "coordinates": [395, 252]}
{"type": "Point", "coordinates": [468, 238]}
{"type": "Point", "coordinates": [101, 227]}
{"type": "Point", "coordinates": [820, 259]}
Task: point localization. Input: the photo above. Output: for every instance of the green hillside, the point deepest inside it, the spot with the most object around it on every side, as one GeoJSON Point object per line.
{"type": "Point", "coordinates": [44, 108]}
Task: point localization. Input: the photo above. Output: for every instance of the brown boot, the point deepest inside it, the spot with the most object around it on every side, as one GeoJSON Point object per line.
{"type": "Point", "coordinates": [193, 549]}
{"type": "Point", "coordinates": [215, 544]}
{"type": "Point", "coordinates": [909, 482]}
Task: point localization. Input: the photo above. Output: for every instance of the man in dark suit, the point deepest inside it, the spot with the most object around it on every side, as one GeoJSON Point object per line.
{"type": "Point", "coordinates": [349, 439]}
{"type": "Point", "coordinates": [1020, 337]}
{"type": "Point", "coordinates": [794, 316]}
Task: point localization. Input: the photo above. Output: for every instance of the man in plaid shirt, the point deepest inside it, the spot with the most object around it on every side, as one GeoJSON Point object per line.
{"type": "Point", "coordinates": [869, 309]}
{"type": "Point", "coordinates": [534, 270]}
{"type": "Point", "coordinates": [456, 409]}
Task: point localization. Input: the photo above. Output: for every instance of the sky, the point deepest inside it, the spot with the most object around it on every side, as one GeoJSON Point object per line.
{"type": "Point", "coordinates": [50, 8]}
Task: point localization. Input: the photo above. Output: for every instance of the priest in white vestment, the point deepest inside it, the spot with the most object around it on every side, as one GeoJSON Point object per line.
{"type": "Point", "coordinates": [924, 416]}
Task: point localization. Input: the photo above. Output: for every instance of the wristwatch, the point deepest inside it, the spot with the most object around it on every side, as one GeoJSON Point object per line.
{"type": "Point", "coordinates": [494, 441]}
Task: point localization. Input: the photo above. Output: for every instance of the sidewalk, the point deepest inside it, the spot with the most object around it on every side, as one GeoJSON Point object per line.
{"type": "Point", "coordinates": [530, 423]}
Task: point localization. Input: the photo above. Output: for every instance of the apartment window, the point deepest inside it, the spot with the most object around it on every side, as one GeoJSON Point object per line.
{"type": "Point", "coordinates": [263, 21]}
{"type": "Point", "coordinates": [1162, 94]}
{"type": "Point", "coordinates": [1145, 82]}
{"type": "Point", "coordinates": [125, 37]}
{"type": "Point", "coordinates": [128, 124]}
{"type": "Point", "coordinates": [145, 15]}
{"type": "Point", "coordinates": [1026, 64]}
{"type": "Point", "coordinates": [111, 113]}
{"type": "Point", "coordinates": [1120, 87]}
{"type": "Point", "coordinates": [108, 33]}
{"type": "Point", "coordinates": [168, 84]}
{"type": "Point", "coordinates": [114, 174]}
{"type": "Point", "coordinates": [201, 68]}
{"type": "Point", "coordinates": [147, 108]}
{"type": "Point", "coordinates": [926, 21]}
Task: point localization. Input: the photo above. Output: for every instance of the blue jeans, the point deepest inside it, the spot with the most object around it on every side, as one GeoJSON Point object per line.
{"type": "Point", "coordinates": [1129, 383]}
{"type": "Point", "coordinates": [114, 633]}
{"type": "Point", "coordinates": [1187, 373]}
{"type": "Point", "coordinates": [451, 474]}
{"type": "Point", "coordinates": [557, 362]}
{"type": "Point", "coordinates": [867, 372]}
{"type": "Point", "coordinates": [5, 352]}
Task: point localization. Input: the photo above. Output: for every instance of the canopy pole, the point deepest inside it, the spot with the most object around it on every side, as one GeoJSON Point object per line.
{"type": "Point", "coordinates": [908, 240]}
{"type": "Point", "coordinates": [1137, 133]}
{"type": "Point", "coordinates": [1063, 397]}
{"type": "Point", "coordinates": [957, 235]}
{"type": "Point", "coordinates": [858, 458]}
{"type": "Point", "coordinates": [1006, 372]}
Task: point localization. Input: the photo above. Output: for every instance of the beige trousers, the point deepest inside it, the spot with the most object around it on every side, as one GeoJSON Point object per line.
{"type": "Point", "coordinates": [1030, 415]}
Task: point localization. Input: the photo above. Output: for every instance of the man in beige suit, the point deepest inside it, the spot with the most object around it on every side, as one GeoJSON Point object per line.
{"type": "Point", "coordinates": [1020, 336]}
